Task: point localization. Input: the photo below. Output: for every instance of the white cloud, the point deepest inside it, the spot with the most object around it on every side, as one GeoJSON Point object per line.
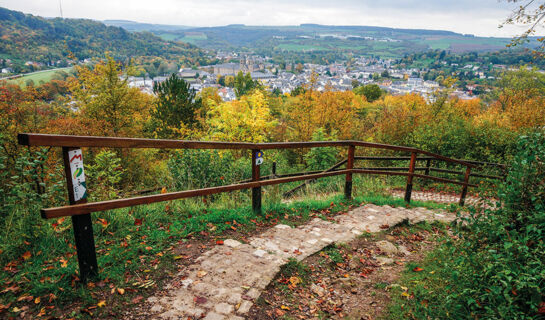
{"type": "Point", "coordinates": [480, 17]}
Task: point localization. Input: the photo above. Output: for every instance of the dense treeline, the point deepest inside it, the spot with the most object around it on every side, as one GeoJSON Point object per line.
{"type": "Point", "coordinates": [24, 37]}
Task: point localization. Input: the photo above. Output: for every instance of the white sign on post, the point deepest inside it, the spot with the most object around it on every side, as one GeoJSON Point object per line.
{"type": "Point", "coordinates": [77, 174]}
{"type": "Point", "coordinates": [259, 158]}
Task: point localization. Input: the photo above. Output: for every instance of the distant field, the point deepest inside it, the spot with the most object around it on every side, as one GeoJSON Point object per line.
{"type": "Point", "coordinates": [301, 47]}
{"type": "Point", "coordinates": [188, 38]}
{"type": "Point", "coordinates": [44, 76]}
{"type": "Point", "coordinates": [463, 44]}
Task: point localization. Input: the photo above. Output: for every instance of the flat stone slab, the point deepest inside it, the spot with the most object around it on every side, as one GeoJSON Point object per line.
{"type": "Point", "coordinates": [225, 281]}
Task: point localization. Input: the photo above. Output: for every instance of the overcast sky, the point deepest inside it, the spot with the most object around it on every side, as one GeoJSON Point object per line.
{"type": "Point", "coordinates": [479, 17]}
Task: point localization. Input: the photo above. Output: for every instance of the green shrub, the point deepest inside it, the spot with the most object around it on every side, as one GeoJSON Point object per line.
{"type": "Point", "coordinates": [191, 169]}
{"type": "Point", "coordinates": [497, 268]}
{"type": "Point", "coordinates": [104, 176]}
{"type": "Point", "coordinates": [321, 158]}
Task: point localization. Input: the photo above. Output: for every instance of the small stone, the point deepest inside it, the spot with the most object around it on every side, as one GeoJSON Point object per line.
{"type": "Point", "coordinates": [282, 226]}
{"type": "Point", "coordinates": [156, 308]}
{"type": "Point", "coordinates": [403, 250]}
{"type": "Point", "coordinates": [387, 247]}
{"type": "Point", "coordinates": [231, 243]}
{"type": "Point", "coordinates": [214, 316]}
{"type": "Point", "coordinates": [385, 260]}
{"type": "Point", "coordinates": [317, 290]}
{"type": "Point", "coordinates": [253, 294]}
{"type": "Point", "coordinates": [234, 298]}
{"type": "Point", "coordinates": [244, 307]}
{"type": "Point", "coordinates": [259, 253]}
{"type": "Point", "coordinates": [224, 308]}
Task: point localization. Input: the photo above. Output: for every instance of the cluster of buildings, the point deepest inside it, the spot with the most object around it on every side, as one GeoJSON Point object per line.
{"type": "Point", "coordinates": [336, 76]}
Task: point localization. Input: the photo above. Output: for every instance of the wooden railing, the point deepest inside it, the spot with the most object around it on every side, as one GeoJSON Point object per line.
{"type": "Point", "coordinates": [79, 209]}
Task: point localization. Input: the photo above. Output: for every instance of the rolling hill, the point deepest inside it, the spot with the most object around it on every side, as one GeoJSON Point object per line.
{"type": "Point", "coordinates": [383, 41]}
{"type": "Point", "coordinates": [24, 37]}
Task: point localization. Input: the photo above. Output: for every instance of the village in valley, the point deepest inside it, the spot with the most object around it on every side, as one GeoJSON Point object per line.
{"type": "Point", "coordinates": [338, 76]}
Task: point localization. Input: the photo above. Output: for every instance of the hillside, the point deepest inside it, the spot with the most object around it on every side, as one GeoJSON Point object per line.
{"type": "Point", "coordinates": [368, 40]}
{"type": "Point", "coordinates": [24, 37]}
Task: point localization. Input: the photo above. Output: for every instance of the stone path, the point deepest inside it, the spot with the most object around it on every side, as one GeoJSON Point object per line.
{"type": "Point", "coordinates": [438, 197]}
{"type": "Point", "coordinates": [226, 280]}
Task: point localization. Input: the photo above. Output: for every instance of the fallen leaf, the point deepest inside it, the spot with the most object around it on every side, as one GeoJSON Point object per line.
{"type": "Point", "coordinates": [101, 303]}
{"type": "Point", "coordinates": [200, 300]}
{"type": "Point", "coordinates": [42, 312]}
{"type": "Point", "coordinates": [121, 291]}
{"type": "Point", "coordinates": [138, 222]}
{"type": "Point", "coordinates": [201, 273]}
{"type": "Point", "coordinates": [219, 242]}
{"type": "Point", "coordinates": [541, 309]}
{"type": "Point", "coordinates": [137, 299]}
{"type": "Point", "coordinates": [295, 281]}
{"type": "Point", "coordinates": [37, 300]}
{"type": "Point", "coordinates": [27, 255]}
{"type": "Point", "coordinates": [164, 190]}
{"type": "Point", "coordinates": [103, 222]}
{"type": "Point", "coordinates": [279, 312]}
{"type": "Point", "coordinates": [64, 263]}
{"type": "Point", "coordinates": [283, 307]}
{"type": "Point", "coordinates": [417, 269]}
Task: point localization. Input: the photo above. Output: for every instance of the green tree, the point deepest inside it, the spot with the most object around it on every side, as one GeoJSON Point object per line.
{"type": "Point", "coordinates": [244, 84]}
{"type": "Point", "coordinates": [371, 92]}
{"type": "Point", "coordinates": [176, 106]}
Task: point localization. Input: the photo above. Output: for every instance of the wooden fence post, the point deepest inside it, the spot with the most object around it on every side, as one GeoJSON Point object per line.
{"type": "Point", "coordinates": [409, 188]}
{"type": "Point", "coordinates": [82, 224]}
{"type": "Point", "coordinates": [464, 188]}
{"type": "Point", "coordinates": [256, 192]}
{"type": "Point", "coordinates": [428, 165]}
{"type": "Point", "coordinates": [349, 166]}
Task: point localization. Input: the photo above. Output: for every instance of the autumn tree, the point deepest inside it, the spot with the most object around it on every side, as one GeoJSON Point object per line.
{"type": "Point", "coordinates": [102, 95]}
{"type": "Point", "coordinates": [248, 119]}
{"type": "Point", "coordinates": [176, 106]}
{"type": "Point", "coordinates": [531, 15]}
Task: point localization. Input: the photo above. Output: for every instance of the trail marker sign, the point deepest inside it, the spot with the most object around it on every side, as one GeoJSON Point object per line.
{"type": "Point", "coordinates": [258, 158]}
{"type": "Point", "coordinates": [77, 174]}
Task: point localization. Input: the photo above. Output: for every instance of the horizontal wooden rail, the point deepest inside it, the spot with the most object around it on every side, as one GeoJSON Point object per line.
{"type": "Point", "coordinates": [400, 158]}
{"type": "Point", "coordinates": [422, 176]}
{"type": "Point", "coordinates": [122, 203]}
{"type": "Point", "coordinates": [478, 175]}
{"type": "Point", "coordinates": [55, 140]}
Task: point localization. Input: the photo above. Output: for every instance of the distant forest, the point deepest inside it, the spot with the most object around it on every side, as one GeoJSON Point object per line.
{"type": "Point", "coordinates": [24, 37]}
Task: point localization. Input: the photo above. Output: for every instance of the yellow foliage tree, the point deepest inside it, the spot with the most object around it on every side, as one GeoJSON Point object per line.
{"type": "Point", "coordinates": [103, 96]}
{"type": "Point", "coordinates": [248, 119]}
